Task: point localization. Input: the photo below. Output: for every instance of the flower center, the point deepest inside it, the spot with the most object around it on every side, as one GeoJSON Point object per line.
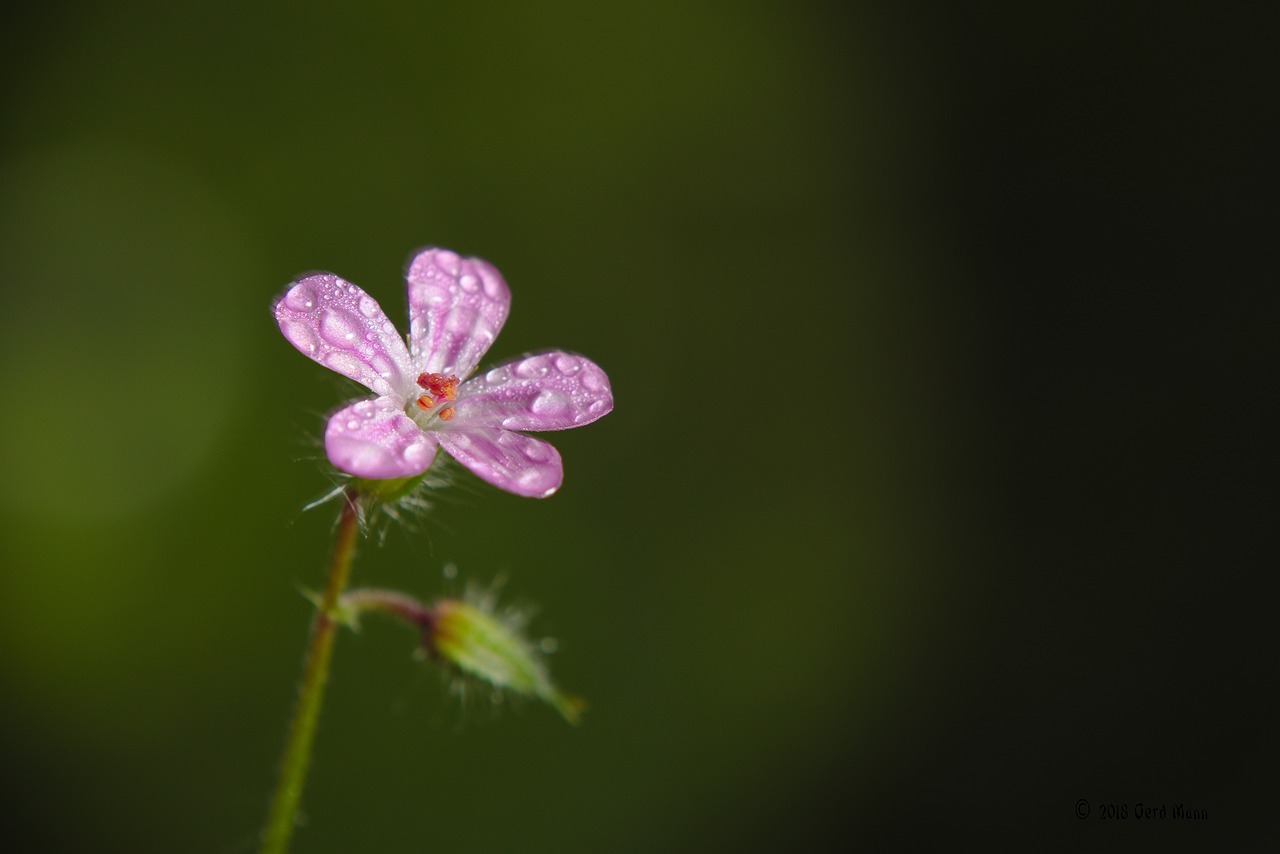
{"type": "Point", "coordinates": [438, 391]}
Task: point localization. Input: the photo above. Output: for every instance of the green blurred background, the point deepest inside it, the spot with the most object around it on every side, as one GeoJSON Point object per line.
{"type": "Point", "coordinates": [931, 502]}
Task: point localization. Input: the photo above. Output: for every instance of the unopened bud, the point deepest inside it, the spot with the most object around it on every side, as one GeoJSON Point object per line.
{"type": "Point", "coordinates": [482, 645]}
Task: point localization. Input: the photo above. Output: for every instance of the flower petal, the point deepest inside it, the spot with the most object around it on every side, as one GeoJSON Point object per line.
{"type": "Point", "coordinates": [511, 461]}
{"type": "Point", "coordinates": [376, 440]}
{"type": "Point", "coordinates": [343, 328]}
{"type": "Point", "coordinates": [547, 391]}
{"type": "Point", "coordinates": [456, 308]}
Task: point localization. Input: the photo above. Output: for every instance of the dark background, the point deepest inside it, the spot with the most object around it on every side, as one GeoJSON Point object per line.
{"type": "Point", "coordinates": [938, 495]}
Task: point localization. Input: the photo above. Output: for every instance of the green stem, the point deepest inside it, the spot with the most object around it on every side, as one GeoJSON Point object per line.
{"type": "Point", "coordinates": [302, 730]}
{"type": "Point", "coordinates": [393, 602]}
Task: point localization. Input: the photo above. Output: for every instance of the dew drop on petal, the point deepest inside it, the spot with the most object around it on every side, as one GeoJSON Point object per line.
{"type": "Point", "coordinates": [380, 363]}
{"type": "Point", "coordinates": [598, 408]}
{"type": "Point", "coordinates": [300, 334]}
{"type": "Point", "coordinates": [567, 365]}
{"type": "Point", "coordinates": [532, 368]}
{"type": "Point", "coordinates": [447, 261]}
{"type": "Point", "coordinates": [469, 283]}
{"type": "Point", "coordinates": [417, 454]}
{"type": "Point", "coordinates": [595, 380]}
{"type": "Point", "coordinates": [492, 289]}
{"type": "Point", "coordinates": [343, 363]}
{"type": "Point", "coordinates": [337, 329]}
{"type": "Point", "coordinates": [368, 306]}
{"type": "Point", "coordinates": [550, 403]}
{"type": "Point", "coordinates": [301, 297]}
{"type": "Point", "coordinates": [496, 376]}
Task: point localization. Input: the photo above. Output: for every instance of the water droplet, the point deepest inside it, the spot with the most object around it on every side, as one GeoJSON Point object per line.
{"type": "Point", "coordinates": [493, 287]}
{"type": "Point", "coordinates": [353, 424]}
{"type": "Point", "coordinates": [532, 368]}
{"type": "Point", "coordinates": [337, 328]}
{"type": "Point", "coordinates": [368, 306]}
{"type": "Point", "coordinates": [598, 408]}
{"type": "Point", "coordinates": [595, 380]}
{"type": "Point", "coordinates": [417, 454]}
{"type": "Point", "coordinates": [343, 363]}
{"type": "Point", "coordinates": [439, 297]}
{"type": "Point", "coordinates": [300, 334]}
{"type": "Point", "coordinates": [447, 261]}
{"type": "Point", "coordinates": [550, 404]}
{"type": "Point", "coordinates": [496, 376]}
{"type": "Point", "coordinates": [380, 363]}
{"type": "Point", "coordinates": [469, 283]}
{"type": "Point", "coordinates": [567, 365]}
{"type": "Point", "coordinates": [300, 297]}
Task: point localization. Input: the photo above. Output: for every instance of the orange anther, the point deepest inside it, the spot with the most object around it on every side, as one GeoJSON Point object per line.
{"type": "Point", "coordinates": [442, 387]}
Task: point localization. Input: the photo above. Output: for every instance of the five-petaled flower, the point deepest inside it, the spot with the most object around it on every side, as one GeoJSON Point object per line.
{"type": "Point", "coordinates": [424, 397]}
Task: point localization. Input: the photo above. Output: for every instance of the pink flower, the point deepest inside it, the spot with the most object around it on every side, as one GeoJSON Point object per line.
{"type": "Point", "coordinates": [456, 308]}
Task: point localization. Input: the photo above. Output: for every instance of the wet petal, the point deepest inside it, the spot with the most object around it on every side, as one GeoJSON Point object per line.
{"type": "Point", "coordinates": [376, 440]}
{"type": "Point", "coordinates": [510, 461]}
{"type": "Point", "coordinates": [343, 328]}
{"type": "Point", "coordinates": [547, 391]}
{"type": "Point", "coordinates": [456, 307]}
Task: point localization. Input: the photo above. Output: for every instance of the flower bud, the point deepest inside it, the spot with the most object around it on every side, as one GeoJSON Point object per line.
{"type": "Point", "coordinates": [479, 644]}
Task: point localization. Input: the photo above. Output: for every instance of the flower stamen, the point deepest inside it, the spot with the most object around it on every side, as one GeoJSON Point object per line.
{"type": "Point", "coordinates": [439, 388]}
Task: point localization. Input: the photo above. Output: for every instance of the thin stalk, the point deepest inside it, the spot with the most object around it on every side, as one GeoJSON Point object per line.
{"type": "Point", "coordinates": [302, 730]}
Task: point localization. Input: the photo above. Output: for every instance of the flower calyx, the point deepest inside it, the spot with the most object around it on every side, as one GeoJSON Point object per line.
{"type": "Point", "coordinates": [472, 640]}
